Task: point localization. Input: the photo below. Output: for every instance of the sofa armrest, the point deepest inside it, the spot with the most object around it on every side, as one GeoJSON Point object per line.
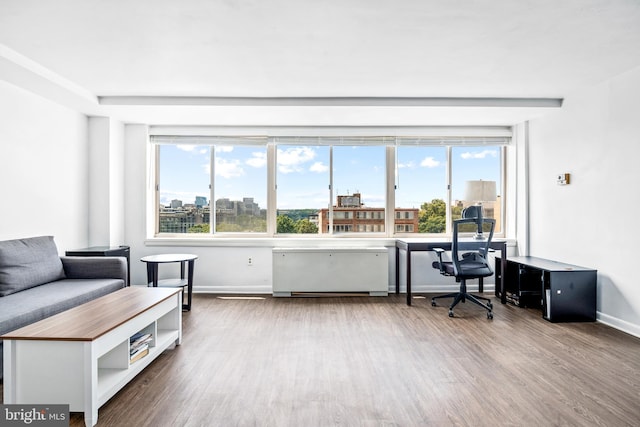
{"type": "Point", "coordinates": [95, 267]}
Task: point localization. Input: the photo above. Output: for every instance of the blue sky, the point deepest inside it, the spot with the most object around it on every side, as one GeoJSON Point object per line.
{"type": "Point", "coordinates": [303, 173]}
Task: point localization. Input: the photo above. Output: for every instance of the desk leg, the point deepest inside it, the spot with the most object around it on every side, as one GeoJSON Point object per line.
{"type": "Point", "coordinates": [503, 266]}
{"type": "Point", "coordinates": [397, 271]}
{"type": "Point", "coordinates": [409, 276]}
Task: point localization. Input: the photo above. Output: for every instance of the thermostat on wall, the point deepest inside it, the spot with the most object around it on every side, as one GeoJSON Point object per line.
{"type": "Point", "coordinates": [564, 178]}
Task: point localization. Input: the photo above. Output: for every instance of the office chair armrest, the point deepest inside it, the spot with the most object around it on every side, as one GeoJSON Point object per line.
{"type": "Point", "coordinates": [439, 252]}
{"type": "Point", "coordinates": [482, 252]}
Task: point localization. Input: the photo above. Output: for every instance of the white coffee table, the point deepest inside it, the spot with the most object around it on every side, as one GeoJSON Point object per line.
{"type": "Point", "coordinates": [81, 356]}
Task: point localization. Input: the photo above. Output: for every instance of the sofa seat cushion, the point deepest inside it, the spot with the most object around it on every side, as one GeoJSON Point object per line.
{"type": "Point", "coordinates": [22, 308]}
{"type": "Point", "coordinates": [25, 263]}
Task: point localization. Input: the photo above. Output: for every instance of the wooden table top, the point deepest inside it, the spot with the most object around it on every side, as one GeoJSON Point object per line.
{"type": "Point", "coordinates": [91, 320]}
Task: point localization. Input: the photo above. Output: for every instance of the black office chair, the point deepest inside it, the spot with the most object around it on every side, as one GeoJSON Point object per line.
{"type": "Point", "coordinates": [469, 258]}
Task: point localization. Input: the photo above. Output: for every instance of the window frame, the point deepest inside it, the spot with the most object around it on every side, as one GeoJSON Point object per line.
{"type": "Point", "coordinates": [391, 143]}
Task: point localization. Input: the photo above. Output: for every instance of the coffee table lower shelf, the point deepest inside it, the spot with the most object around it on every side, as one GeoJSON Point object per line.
{"type": "Point", "coordinates": [85, 367]}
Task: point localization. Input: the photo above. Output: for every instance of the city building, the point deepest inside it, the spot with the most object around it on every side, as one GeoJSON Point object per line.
{"type": "Point", "coordinates": [201, 201]}
{"type": "Point", "coordinates": [350, 215]}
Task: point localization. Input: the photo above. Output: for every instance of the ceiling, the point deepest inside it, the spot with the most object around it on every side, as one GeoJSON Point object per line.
{"type": "Point", "coordinates": [308, 62]}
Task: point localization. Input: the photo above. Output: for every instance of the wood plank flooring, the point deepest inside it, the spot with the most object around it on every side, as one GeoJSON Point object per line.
{"type": "Point", "coordinates": [374, 361]}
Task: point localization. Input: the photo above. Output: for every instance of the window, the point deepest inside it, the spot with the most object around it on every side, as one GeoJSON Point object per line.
{"type": "Point", "coordinates": [240, 189]}
{"type": "Point", "coordinates": [359, 182]}
{"type": "Point", "coordinates": [302, 183]}
{"type": "Point", "coordinates": [321, 185]}
{"type": "Point", "coordinates": [186, 186]}
{"type": "Point", "coordinates": [184, 177]}
{"type": "Point", "coordinates": [422, 182]}
{"type": "Point", "coordinates": [341, 214]}
{"type": "Point", "coordinates": [421, 189]}
{"type": "Point", "coordinates": [474, 164]}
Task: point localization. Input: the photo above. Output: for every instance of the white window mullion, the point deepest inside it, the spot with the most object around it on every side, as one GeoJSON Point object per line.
{"type": "Point", "coordinates": [390, 210]}
{"type": "Point", "coordinates": [331, 190]}
{"type": "Point", "coordinates": [212, 186]}
{"type": "Point", "coordinates": [449, 192]}
{"type": "Point", "coordinates": [272, 189]}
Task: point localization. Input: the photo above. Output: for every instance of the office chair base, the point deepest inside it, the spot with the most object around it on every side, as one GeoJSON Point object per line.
{"type": "Point", "coordinates": [462, 297]}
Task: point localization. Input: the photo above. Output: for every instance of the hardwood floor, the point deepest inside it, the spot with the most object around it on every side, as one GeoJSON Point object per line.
{"type": "Point", "coordinates": [361, 361]}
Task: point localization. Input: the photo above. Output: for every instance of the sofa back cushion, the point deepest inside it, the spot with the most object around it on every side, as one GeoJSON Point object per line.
{"type": "Point", "coordinates": [25, 263]}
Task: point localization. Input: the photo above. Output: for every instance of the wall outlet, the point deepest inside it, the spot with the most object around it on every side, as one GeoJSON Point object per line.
{"type": "Point", "coordinates": [250, 262]}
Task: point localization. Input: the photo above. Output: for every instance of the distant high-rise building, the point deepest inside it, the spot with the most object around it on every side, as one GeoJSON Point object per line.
{"type": "Point", "coordinates": [175, 203]}
{"type": "Point", "coordinates": [201, 201]}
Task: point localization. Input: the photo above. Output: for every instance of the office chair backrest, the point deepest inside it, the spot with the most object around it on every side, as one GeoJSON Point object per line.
{"type": "Point", "coordinates": [468, 254]}
{"type": "Point", "coordinates": [472, 212]}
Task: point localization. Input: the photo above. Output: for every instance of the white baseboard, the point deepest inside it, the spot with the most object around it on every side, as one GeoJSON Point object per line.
{"type": "Point", "coordinates": [232, 290]}
{"type": "Point", "coordinates": [619, 324]}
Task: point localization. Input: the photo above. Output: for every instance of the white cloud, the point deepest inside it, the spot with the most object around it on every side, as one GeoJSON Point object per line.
{"type": "Point", "coordinates": [258, 159]}
{"type": "Point", "coordinates": [223, 148]}
{"type": "Point", "coordinates": [228, 168]}
{"type": "Point", "coordinates": [186, 147]}
{"type": "Point", "coordinates": [409, 165]}
{"type": "Point", "coordinates": [318, 167]}
{"type": "Point", "coordinates": [429, 162]}
{"type": "Point", "coordinates": [192, 148]}
{"type": "Point", "coordinates": [481, 155]}
{"type": "Point", "coordinates": [291, 159]}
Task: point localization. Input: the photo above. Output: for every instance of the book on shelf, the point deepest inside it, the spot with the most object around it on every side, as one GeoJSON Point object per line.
{"type": "Point", "coordinates": [138, 349]}
{"type": "Point", "coordinates": [139, 355]}
{"type": "Point", "coordinates": [138, 341]}
{"type": "Point", "coordinates": [140, 336]}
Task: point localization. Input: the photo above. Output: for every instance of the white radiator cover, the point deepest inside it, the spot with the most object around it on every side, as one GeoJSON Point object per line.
{"type": "Point", "coordinates": [330, 270]}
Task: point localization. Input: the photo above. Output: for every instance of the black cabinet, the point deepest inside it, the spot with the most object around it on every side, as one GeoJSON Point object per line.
{"type": "Point", "coordinates": [564, 292]}
{"type": "Point", "coordinates": [522, 284]}
{"type": "Point", "coordinates": [122, 251]}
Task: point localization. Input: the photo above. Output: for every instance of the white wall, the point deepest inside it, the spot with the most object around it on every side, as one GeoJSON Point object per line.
{"type": "Point", "coordinates": [99, 209]}
{"type": "Point", "coordinates": [596, 138]}
{"type": "Point", "coordinates": [106, 182]}
{"type": "Point", "coordinates": [43, 169]}
{"type": "Point", "coordinates": [117, 184]}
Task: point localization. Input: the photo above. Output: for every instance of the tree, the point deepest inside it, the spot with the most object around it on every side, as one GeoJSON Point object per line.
{"type": "Point", "coordinates": [199, 228]}
{"type": "Point", "coordinates": [433, 217]}
{"type": "Point", "coordinates": [304, 226]}
{"type": "Point", "coordinates": [285, 224]}
{"type": "Point", "coordinates": [228, 228]}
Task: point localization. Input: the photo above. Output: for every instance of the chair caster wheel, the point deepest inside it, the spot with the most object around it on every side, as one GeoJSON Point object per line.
{"type": "Point", "coordinates": [433, 303]}
{"type": "Point", "coordinates": [489, 304]}
{"type": "Point", "coordinates": [489, 315]}
{"type": "Point", "coordinates": [450, 313]}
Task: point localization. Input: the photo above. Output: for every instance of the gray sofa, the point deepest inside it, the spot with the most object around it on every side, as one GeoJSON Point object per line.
{"type": "Point", "coordinates": [35, 282]}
